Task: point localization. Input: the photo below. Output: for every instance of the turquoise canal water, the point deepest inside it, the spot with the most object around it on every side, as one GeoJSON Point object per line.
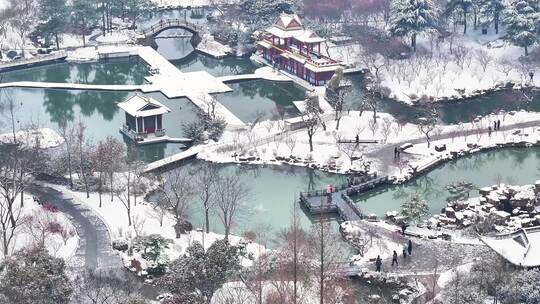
{"type": "Point", "coordinates": [274, 189]}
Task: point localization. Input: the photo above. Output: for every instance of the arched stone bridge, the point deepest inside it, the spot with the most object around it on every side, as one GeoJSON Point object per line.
{"type": "Point", "coordinates": [166, 24]}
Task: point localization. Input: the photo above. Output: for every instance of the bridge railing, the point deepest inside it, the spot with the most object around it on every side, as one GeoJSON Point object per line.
{"type": "Point", "coordinates": [163, 24]}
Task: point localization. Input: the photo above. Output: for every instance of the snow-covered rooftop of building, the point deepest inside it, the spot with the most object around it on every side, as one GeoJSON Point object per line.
{"type": "Point", "coordinates": [142, 106]}
{"type": "Point", "coordinates": [521, 248]}
{"type": "Point", "coordinates": [290, 26]}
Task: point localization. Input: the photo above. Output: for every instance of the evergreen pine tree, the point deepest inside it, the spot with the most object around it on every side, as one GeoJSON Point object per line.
{"type": "Point", "coordinates": [411, 18]}
{"type": "Point", "coordinates": [462, 7]}
{"type": "Point", "coordinates": [521, 22]}
{"type": "Point", "coordinates": [54, 15]}
{"type": "Point", "coordinates": [84, 16]}
{"type": "Point", "coordinates": [492, 10]}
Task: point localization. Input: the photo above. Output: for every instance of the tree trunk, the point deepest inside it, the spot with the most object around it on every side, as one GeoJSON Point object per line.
{"type": "Point", "coordinates": [413, 42]}
{"type": "Point", "coordinates": [57, 41]}
{"type": "Point", "coordinates": [526, 51]}
{"type": "Point", "coordinates": [496, 22]}
{"type": "Point", "coordinates": [311, 143]}
{"type": "Point", "coordinates": [100, 188]}
{"type": "Point", "coordinates": [464, 22]}
{"type": "Point", "coordinates": [82, 171]}
{"type": "Point", "coordinates": [207, 218]}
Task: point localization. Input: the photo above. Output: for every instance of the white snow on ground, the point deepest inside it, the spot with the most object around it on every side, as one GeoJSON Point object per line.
{"type": "Point", "coordinates": [192, 3]}
{"type": "Point", "coordinates": [118, 36]}
{"type": "Point", "coordinates": [213, 48]}
{"type": "Point", "coordinates": [44, 224]}
{"type": "Point", "coordinates": [44, 138]}
{"type": "Point", "coordinates": [145, 222]}
{"type": "Point", "coordinates": [376, 244]}
{"type": "Point", "coordinates": [447, 75]}
{"type": "Point", "coordinates": [266, 141]}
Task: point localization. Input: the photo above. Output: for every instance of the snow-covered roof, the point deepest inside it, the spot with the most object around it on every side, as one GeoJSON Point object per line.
{"type": "Point", "coordinates": [142, 106]}
{"type": "Point", "coordinates": [289, 22]}
{"type": "Point", "coordinates": [521, 248]}
{"type": "Point", "coordinates": [309, 37]}
{"type": "Point", "coordinates": [290, 26]}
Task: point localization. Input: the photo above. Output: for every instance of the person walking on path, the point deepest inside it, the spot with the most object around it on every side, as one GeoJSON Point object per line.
{"type": "Point", "coordinates": [404, 253]}
{"type": "Point", "coordinates": [409, 247]}
{"type": "Point", "coordinates": [394, 259]}
{"type": "Point", "coordinates": [395, 152]}
{"type": "Point", "coordinates": [498, 124]}
{"type": "Point", "coordinates": [495, 126]}
{"type": "Point", "coordinates": [378, 263]}
{"type": "Point", "coordinates": [489, 131]}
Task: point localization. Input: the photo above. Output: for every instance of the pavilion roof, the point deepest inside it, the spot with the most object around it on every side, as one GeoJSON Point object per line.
{"type": "Point", "coordinates": [290, 26]}
{"type": "Point", "coordinates": [521, 248]}
{"type": "Point", "coordinates": [142, 106]}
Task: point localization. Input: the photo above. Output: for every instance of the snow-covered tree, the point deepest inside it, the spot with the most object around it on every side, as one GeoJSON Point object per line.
{"type": "Point", "coordinates": [33, 274]}
{"type": "Point", "coordinates": [492, 10]}
{"type": "Point", "coordinates": [194, 277]}
{"type": "Point", "coordinates": [54, 17]}
{"type": "Point", "coordinates": [462, 7]}
{"type": "Point", "coordinates": [523, 288]}
{"type": "Point", "coordinates": [414, 208]}
{"type": "Point", "coordinates": [521, 22]}
{"type": "Point", "coordinates": [412, 18]}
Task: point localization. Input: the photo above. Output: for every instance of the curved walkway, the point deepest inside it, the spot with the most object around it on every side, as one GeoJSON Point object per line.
{"type": "Point", "coordinates": [95, 250]}
{"type": "Point", "coordinates": [385, 154]}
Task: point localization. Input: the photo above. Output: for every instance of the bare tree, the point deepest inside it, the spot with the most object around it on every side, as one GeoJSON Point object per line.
{"type": "Point", "coordinates": [99, 156]}
{"type": "Point", "coordinates": [311, 118]}
{"type": "Point", "coordinates": [373, 126]}
{"type": "Point", "coordinates": [460, 54]}
{"type": "Point", "coordinates": [290, 141]}
{"type": "Point", "coordinates": [122, 188]}
{"type": "Point", "coordinates": [505, 65]}
{"type": "Point", "coordinates": [177, 190]}
{"type": "Point", "coordinates": [231, 194]}
{"type": "Point", "coordinates": [483, 57]}
{"type": "Point", "coordinates": [115, 150]}
{"type": "Point", "coordinates": [206, 177]}
{"type": "Point", "coordinates": [349, 149]}
{"type": "Point", "coordinates": [18, 161]}
{"type": "Point", "coordinates": [67, 133]}
{"type": "Point", "coordinates": [80, 135]}
{"type": "Point", "coordinates": [427, 124]}
{"type": "Point", "coordinates": [386, 128]}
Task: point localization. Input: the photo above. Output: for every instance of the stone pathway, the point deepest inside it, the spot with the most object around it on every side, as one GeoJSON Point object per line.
{"type": "Point", "coordinates": [426, 254]}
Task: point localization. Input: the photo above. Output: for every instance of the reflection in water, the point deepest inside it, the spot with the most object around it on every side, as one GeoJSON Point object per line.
{"type": "Point", "coordinates": [115, 71]}
{"type": "Point", "coordinates": [253, 99]}
{"type": "Point", "coordinates": [451, 113]}
{"type": "Point", "coordinates": [483, 169]}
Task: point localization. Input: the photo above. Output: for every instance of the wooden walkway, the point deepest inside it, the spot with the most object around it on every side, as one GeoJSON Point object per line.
{"type": "Point", "coordinates": [169, 161]}
{"type": "Point", "coordinates": [320, 202]}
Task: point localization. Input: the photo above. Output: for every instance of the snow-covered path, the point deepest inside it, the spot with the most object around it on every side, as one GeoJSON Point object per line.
{"type": "Point", "coordinates": [95, 249]}
{"type": "Point", "coordinates": [384, 155]}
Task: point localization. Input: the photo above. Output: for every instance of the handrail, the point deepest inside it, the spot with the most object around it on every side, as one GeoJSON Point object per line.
{"type": "Point", "coordinates": [165, 23]}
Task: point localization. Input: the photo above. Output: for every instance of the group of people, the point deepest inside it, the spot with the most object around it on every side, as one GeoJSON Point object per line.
{"type": "Point", "coordinates": [496, 126]}
{"type": "Point", "coordinates": [407, 251]}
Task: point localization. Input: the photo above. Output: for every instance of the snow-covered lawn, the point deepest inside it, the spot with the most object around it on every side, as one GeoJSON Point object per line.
{"type": "Point", "coordinates": [192, 3]}
{"type": "Point", "coordinates": [476, 63]}
{"type": "Point", "coordinates": [145, 221]}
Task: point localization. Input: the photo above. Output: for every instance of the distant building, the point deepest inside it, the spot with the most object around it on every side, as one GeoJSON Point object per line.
{"type": "Point", "coordinates": [520, 248]}
{"type": "Point", "coordinates": [291, 47]}
{"type": "Point", "coordinates": [144, 118]}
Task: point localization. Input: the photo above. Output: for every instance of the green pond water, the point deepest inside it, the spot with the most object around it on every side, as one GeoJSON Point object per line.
{"type": "Point", "coordinates": [274, 189]}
